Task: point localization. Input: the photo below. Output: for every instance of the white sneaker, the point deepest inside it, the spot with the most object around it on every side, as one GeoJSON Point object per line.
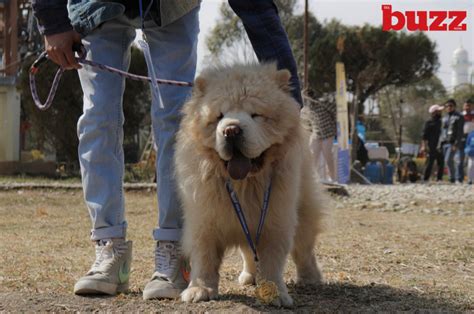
{"type": "Point", "coordinates": [110, 272]}
{"type": "Point", "coordinates": [171, 274]}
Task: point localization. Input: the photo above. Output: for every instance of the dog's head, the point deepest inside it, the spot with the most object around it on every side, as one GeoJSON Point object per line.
{"type": "Point", "coordinates": [237, 114]}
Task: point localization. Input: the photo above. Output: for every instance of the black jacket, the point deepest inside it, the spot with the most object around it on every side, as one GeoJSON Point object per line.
{"type": "Point", "coordinates": [452, 128]}
{"type": "Point", "coordinates": [432, 132]}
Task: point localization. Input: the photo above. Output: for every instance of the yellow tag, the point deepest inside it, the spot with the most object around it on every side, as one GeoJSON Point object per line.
{"type": "Point", "coordinates": [266, 291]}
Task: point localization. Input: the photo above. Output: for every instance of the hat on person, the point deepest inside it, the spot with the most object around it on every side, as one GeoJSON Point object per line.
{"type": "Point", "coordinates": [435, 108]}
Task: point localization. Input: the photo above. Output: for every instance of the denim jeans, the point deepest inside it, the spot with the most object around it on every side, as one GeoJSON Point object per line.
{"type": "Point", "coordinates": [268, 37]}
{"type": "Point", "coordinates": [100, 128]}
{"type": "Point", "coordinates": [449, 155]}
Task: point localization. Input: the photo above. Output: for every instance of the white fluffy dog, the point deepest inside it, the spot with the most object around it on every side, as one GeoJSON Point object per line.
{"type": "Point", "coordinates": [242, 125]}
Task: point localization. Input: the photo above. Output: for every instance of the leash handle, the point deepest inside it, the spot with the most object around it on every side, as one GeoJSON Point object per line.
{"type": "Point", "coordinates": [76, 47]}
{"type": "Point", "coordinates": [52, 92]}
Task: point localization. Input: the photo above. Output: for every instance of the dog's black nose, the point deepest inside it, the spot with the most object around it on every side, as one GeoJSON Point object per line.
{"type": "Point", "coordinates": [232, 131]}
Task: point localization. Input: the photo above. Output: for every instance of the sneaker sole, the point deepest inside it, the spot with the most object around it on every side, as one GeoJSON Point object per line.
{"type": "Point", "coordinates": [162, 294]}
{"type": "Point", "coordinates": [94, 287]}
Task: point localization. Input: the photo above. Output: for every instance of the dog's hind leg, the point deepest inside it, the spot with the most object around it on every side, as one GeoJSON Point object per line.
{"type": "Point", "coordinates": [303, 254]}
{"type": "Point", "coordinates": [247, 276]}
{"type": "Point", "coordinates": [309, 216]}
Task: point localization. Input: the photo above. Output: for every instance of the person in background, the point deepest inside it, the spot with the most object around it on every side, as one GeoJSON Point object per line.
{"type": "Point", "coordinates": [451, 139]}
{"type": "Point", "coordinates": [430, 143]}
{"type": "Point", "coordinates": [468, 114]}
{"type": "Point", "coordinates": [469, 151]}
{"type": "Point", "coordinates": [321, 116]}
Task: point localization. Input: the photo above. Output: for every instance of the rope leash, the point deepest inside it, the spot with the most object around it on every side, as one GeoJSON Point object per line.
{"type": "Point", "coordinates": [81, 59]}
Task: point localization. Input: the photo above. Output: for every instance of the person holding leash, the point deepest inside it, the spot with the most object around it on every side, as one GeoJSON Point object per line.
{"type": "Point", "coordinates": [107, 30]}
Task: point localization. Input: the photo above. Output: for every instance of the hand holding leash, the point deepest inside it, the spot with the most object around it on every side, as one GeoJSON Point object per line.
{"type": "Point", "coordinates": [59, 48]}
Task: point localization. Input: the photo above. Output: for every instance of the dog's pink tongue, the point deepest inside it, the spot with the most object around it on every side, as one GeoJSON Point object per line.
{"type": "Point", "coordinates": [239, 166]}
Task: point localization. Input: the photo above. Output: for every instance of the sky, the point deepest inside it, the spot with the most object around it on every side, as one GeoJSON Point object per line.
{"type": "Point", "coordinates": [358, 12]}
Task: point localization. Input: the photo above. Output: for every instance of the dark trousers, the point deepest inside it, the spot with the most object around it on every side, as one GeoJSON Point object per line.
{"type": "Point", "coordinates": [434, 155]}
{"type": "Point", "coordinates": [268, 37]}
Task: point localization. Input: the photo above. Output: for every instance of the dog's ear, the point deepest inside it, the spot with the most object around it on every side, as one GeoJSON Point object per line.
{"type": "Point", "coordinates": [200, 85]}
{"type": "Point", "coordinates": [282, 77]}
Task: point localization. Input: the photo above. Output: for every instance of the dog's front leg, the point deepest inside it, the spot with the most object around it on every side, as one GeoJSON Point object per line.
{"type": "Point", "coordinates": [205, 262]}
{"type": "Point", "coordinates": [272, 263]}
{"type": "Point", "coordinates": [247, 276]}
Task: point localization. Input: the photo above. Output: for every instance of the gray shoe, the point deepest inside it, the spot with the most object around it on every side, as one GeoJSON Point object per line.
{"type": "Point", "coordinates": [171, 274]}
{"type": "Point", "coordinates": [110, 272]}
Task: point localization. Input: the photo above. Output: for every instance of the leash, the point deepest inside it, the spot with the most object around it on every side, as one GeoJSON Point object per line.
{"type": "Point", "coordinates": [81, 59]}
{"type": "Point", "coordinates": [243, 222]}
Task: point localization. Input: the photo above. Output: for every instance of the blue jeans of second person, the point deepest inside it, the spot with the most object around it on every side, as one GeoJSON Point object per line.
{"type": "Point", "coordinates": [449, 154]}
{"type": "Point", "coordinates": [100, 128]}
{"type": "Point", "coordinates": [268, 37]}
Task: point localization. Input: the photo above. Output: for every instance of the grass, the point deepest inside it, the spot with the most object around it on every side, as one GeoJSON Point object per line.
{"type": "Point", "coordinates": [372, 261]}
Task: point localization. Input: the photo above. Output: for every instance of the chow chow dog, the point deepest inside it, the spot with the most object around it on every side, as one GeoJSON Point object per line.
{"type": "Point", "coordinates": [241, 124]}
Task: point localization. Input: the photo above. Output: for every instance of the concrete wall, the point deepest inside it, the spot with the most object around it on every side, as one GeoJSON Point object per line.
{"type": "Point", "coordinates": [9, 120]}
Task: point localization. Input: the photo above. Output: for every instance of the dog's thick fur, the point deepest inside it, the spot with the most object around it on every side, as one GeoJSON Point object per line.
{"type": "Point", "coordinates": [255, 98]}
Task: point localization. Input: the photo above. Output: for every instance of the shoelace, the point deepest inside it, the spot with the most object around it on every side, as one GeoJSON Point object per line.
{"type": "Point", "coordinates": [106, 255]}
{"type": "Point", "coordinates": [167, 258]}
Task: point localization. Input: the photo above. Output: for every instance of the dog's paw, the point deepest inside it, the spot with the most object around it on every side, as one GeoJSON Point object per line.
{"type": "Point", "coordinates": [197, 294]}
{"type": "Point", "coordinates": [246, 278]}
{"type": "Point", "coordinates": [284, 300]}
{"type": "Point", "coordinates": [309, 278]}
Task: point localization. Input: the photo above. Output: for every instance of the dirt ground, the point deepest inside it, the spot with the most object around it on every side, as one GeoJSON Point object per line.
{"type": "Point", "coordinates": [385, 249]}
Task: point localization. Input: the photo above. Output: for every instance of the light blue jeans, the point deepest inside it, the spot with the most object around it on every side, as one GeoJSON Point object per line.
{"type": "Point", "coordinates": [449, 155]}
{"type": "Point", "coordinates": [100, 128]}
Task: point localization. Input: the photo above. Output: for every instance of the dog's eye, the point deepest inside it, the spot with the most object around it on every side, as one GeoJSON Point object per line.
{"type": "Point", "coordinates": [255, 115]}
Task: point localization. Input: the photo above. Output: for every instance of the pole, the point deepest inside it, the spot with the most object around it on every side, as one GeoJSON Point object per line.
{"type": "Point", "coordinates": [11, 38]}
{"type": "Point", "coordinates": [400, 132]}
{"type": "Point", "coordinates": [305, 49]}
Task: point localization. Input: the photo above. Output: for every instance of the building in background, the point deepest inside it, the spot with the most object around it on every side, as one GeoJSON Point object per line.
{"type": "Point", "coordinates": [460, 65]}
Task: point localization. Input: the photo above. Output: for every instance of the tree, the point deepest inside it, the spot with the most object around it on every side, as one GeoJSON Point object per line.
{"type": "Point", "coordinates": [411, 103]}
{"type": "Point", "coordinates": [56, 126]}
{"type": "Point", "coordinates": [463, 93]}
{"type": "Point", "coordinates": [228, 36]}
{"type": "Point", "coordinates": [372, 57]}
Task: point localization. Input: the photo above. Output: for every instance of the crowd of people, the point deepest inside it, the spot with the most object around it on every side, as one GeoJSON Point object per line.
{"type": "Point", "coordinates": [448, 141]}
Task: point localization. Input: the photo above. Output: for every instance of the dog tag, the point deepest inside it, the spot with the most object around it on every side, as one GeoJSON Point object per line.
{"type": "Point", "coordinates": [151, 71]}
{"type": "Point", "coordinates": [266, 291]}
